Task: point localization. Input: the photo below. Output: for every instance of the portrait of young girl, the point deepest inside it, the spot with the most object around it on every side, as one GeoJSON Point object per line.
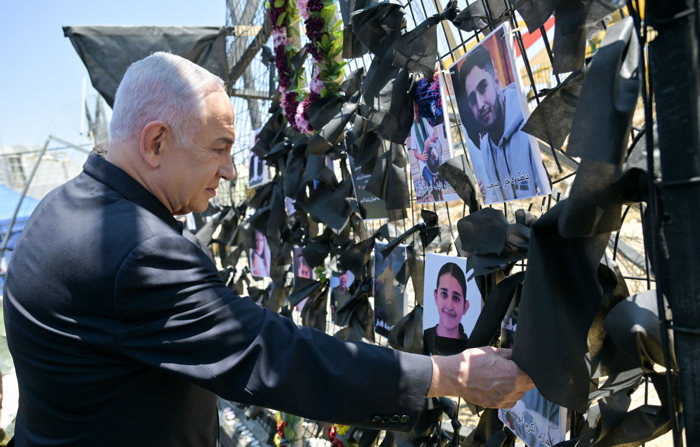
{"type": "Point", "coordinates": [451, 305]}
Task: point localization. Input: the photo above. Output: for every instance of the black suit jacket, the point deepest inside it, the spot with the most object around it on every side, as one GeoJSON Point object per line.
{"type": "Point", "coordinates": [122, 333]}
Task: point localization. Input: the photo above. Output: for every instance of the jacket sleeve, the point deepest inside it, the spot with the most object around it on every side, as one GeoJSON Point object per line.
{"type": "Point", "coordinates": [177, 315]}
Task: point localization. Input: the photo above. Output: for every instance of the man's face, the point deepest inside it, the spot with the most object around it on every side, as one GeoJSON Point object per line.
{"type": "Point", "coordinates": [484, 97]}
{"type": "Point", "coordinates": [451, 302]}
{"type": "Point", "coordinates": [343, 280]}
{"type": "Point", "coordinates": [191, 174]}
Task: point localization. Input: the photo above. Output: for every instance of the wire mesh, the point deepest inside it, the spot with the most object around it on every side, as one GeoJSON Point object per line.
{"type": "Point", "coordinates": [534, 66]}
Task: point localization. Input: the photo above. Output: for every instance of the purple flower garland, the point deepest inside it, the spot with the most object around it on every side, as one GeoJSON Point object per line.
{"type": "Point", "coordinates": [282, 14]}
{"type": "Point", "coordinates": [326, 71]}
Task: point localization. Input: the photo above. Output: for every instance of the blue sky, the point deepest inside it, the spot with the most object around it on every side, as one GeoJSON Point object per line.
{"type": "Point", "coordinates": [41, 75]}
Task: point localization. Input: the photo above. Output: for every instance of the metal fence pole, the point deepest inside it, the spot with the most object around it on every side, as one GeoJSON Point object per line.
{"type": "Point", "coordinates": [675, 78]}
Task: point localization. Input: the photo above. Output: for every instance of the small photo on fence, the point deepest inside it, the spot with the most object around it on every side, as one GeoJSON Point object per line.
{"type": "Point", "coordinates": [492, 108]}
{"type": "Point", "coordinates": [340, 290]}
{"type": "Point", "coordinates": [535, 420]}
{"type": "Point", "coordinates": [258, 172]}
{"type": "Point", "coordinates": [389, 296]}
{"type": "Point", "coordinates": [429, 144]}
{"type": "Point", "coordinates": [303, 274]}
{"type": "Point", "coordinates": [375, 208]}
{"type": "Point", "coordinates": [259, 257]}
{"type": "Point", "coordinates": [451, 304]}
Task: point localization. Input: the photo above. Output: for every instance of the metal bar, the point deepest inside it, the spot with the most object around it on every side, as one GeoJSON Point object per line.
{"type": "Point", "coordinates": [6, 239]}
{"type": "Point", "coordinates": [69, 144]}
{"type": "Point", "coordinates": [676, 92]}
{"type": "Point", "coordinates": [248, 93]}
{"type": "Point", "coordinates": [242, 63]}
{"type": "Point", "coordinates": [243, 30]}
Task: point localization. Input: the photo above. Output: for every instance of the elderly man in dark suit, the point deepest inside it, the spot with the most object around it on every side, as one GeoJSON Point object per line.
{"type": "Point", "coordinates": [122, 332]}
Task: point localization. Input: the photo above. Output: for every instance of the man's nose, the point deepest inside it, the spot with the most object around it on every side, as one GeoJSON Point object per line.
{"type": "Point", "coordinates": [228, 170]}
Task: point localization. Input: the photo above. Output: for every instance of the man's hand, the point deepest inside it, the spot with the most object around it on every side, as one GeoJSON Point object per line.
{"type": "Point", "coordinates": [483, 376]}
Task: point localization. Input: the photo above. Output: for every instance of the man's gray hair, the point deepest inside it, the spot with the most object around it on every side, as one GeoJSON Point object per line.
{"type": "Point", "coordinates": [162, 87]}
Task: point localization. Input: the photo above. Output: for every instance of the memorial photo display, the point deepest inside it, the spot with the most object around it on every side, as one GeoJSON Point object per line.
{"type": "Point", "coordinates": [492, 108]}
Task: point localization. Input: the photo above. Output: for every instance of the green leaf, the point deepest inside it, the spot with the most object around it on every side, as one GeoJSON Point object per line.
{"type": "Point", "coordinates": [327, 14]}
{"type": "Point", "coordinates": [280, 19]}
{"type": "Point", "coordinates": [279, 3]}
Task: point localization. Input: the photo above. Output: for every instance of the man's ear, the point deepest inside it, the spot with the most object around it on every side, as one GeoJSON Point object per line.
{"type": "Point", "coordinates": [497, 81]}
{"type": "Point", "coordinates": [155, 136]}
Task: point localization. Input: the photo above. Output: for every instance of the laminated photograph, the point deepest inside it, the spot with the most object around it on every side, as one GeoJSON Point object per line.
{"type": "Point", "coordinates": [429, 144]}
{"type": "Point", "coordinates": [389, 296]}
{"type": "Point", "coordinates": [451, 304]}
{"type": "Point", "coordinates": [259, 257]}
{"type": "Point", "coordinates": [488, 92]}
{"type": "Point", "coordinates": [258, 171]}
{"type": "Point", "coordinates": [535, 420]}
{"type": "Point", "coordinates": [303, 274]}
{"type": "Point", "coordinates": [375, 207]}
{"type": "Point", "coordinates": [340, 290]}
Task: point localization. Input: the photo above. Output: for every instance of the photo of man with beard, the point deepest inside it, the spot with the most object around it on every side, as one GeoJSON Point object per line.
{"type": "Point", "coordinates": [507, 161]}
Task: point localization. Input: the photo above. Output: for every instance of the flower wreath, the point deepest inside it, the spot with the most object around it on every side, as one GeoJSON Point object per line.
{"type": "Point", "coordinates": [325, 46]}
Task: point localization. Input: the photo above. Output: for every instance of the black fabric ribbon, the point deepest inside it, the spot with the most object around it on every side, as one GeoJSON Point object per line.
{"type": "Point", "coordinates": [389, 179]}
{"type": "Point", "coordinates": [416, 50]}
{"type": "Point", "coordinates": [357, 256]}
{"type": "Point", "coordinates": [633, 327]}
{"type": "Point", "coordinates": [461, 178]}
{"type": "Point", "coordinates": [331, 115]}
{"type": "Point", "coordinates": [496, 305]}
{"type": "Point", "coordinates": [276, 297]}
{"type": "Point", "coordinates": [352, 45]}
{"type": "Point", "coordinates": [407, 333]}
{"type": "Point", "coordinates": [573, 18]}
{"type": "Point", "coordinates": [602, 121]}
{"type": "Point", "coordinates": [471, 18]}
{"type": "Point", "coordinates": [535, 12]}
{"type": "Point", "coordinates": [271, 132]}
{"type": "Point", "coordinates": [551, 120]}
{"type": "Point", "coordinates": [416, 266]}
{"type": "Point", "coordinates": [560, 288]}
{"type": "Point", "coordinates": [427, 231]}
{"type": "Point", "coordinates": [378, 26]}
{"type": "Point", "coordinates": [600, 133]}
{"type": "Point", "coordinates": [304, 289]}
{"type": "Point", "coordinates": [490, 242]}
{"type": "Point", "coordinates": [314, 313]}
{"type": "Point", "coordinates": [328, 203]}
{"type": "Point", "coordinates": [387, 97]}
